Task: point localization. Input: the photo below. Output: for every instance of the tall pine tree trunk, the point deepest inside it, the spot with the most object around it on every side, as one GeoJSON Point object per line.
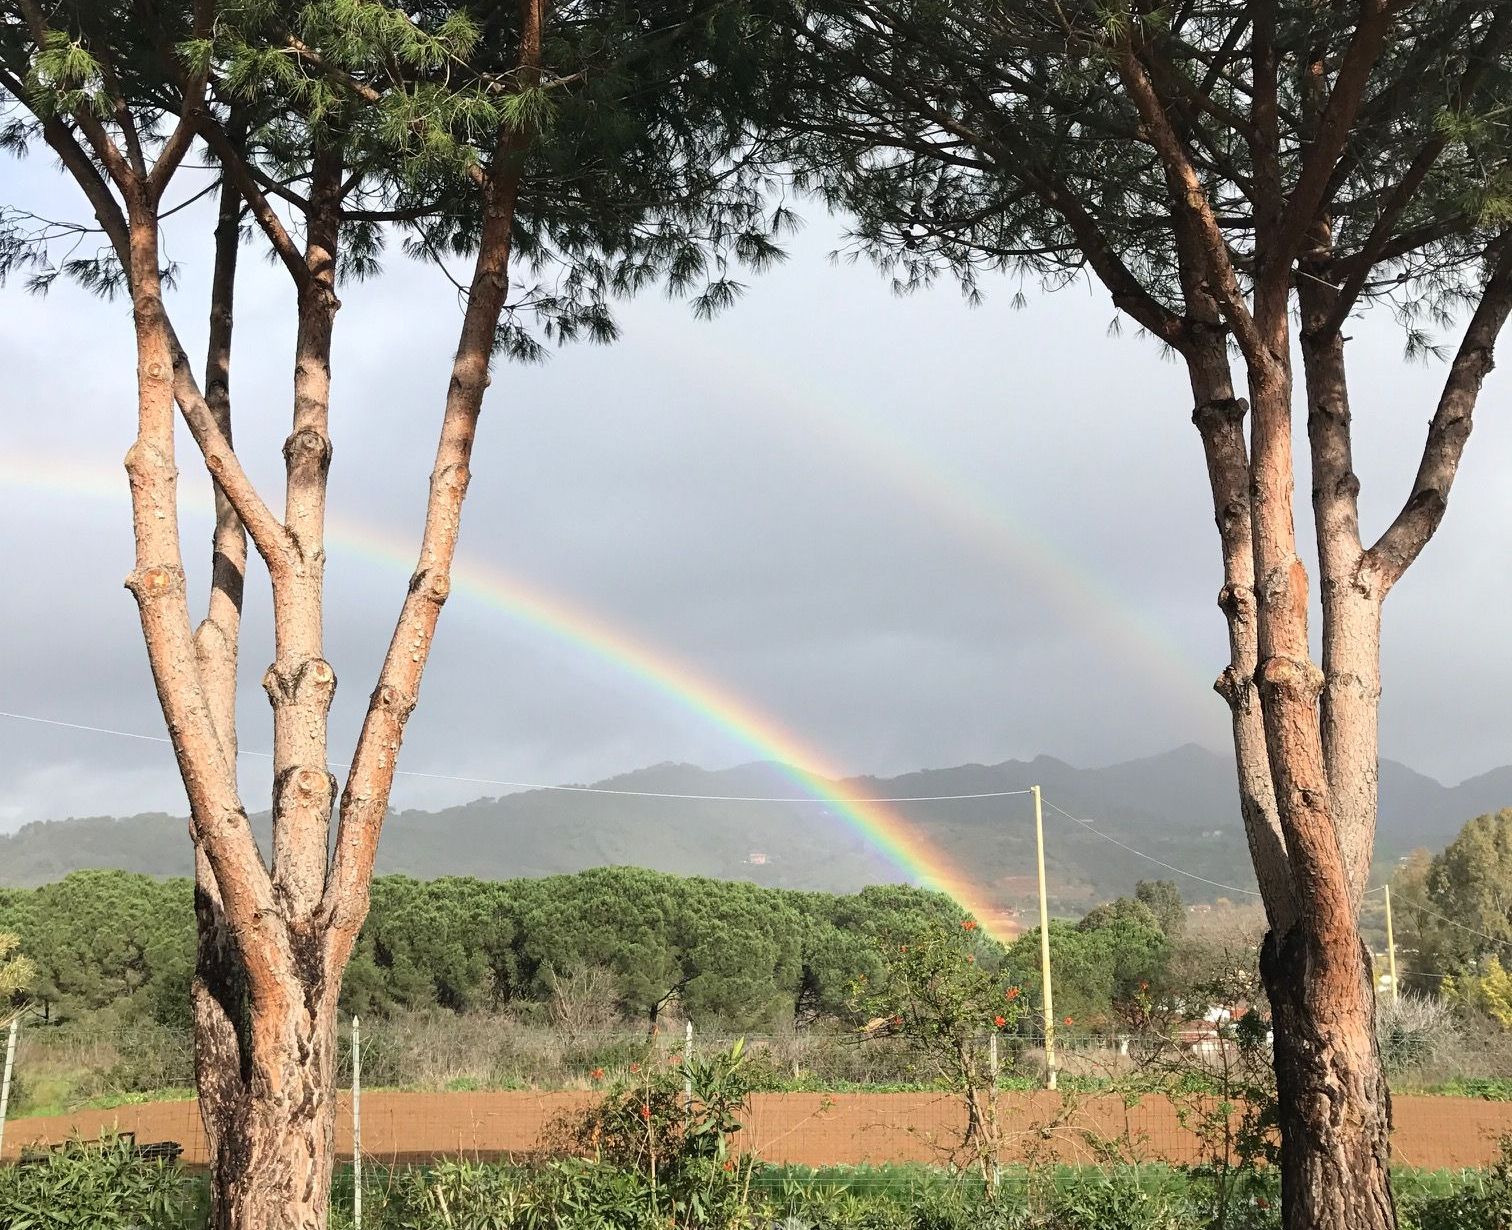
{"type": "Point", "coordinates": [273, 1170]}
{"type": "Point", "coordinates": [1335, 1108]}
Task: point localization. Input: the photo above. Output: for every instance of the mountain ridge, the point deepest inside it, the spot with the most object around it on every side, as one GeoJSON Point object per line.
{"type": "Point", "coordinates": [1178, 807]}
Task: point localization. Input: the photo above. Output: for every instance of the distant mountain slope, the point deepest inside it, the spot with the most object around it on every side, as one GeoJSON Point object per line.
{"type": "Point", "coordinates": [1178, 808]}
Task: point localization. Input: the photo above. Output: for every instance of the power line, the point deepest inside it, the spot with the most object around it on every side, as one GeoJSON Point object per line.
{"type": "Point", "coordinates": [1086, 823]}
{"type": "Point", "coordinates": [1418, 905]}
{"type": "Point", "coordinates": [1191, 875]}
{"type": "Point", "coordinates": [492, 781]}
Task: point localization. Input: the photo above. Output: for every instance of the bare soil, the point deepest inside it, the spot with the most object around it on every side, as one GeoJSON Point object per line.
{"type": "Point", "coordinates": [807, 1128]}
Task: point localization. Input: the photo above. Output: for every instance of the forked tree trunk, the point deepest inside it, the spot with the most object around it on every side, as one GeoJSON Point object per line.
{"type": "Point", "coordinates": [1335, 1108]}
{"type": "Point", "coordinates": [274, 942]}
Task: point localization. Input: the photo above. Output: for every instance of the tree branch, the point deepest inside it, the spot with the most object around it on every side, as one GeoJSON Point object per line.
{"type": "Point", "coordinates": [1449, 429]}
{"type": "Point", "coordinates": [364, 802]}
{"type": "Point", "coordinates": [182, 136]}
{"type": "Point", "coordinates": [240, 172]}
{"type": "Point", "coordinates": [1308, 197]}
{"type": "Point", "coordinates": [1189, 198]}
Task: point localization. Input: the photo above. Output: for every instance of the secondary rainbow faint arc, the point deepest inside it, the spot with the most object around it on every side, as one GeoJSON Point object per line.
{"type": "Point", "coordinates": [553, 615]}
{"type": "Point", "coordinates": [953, 499]}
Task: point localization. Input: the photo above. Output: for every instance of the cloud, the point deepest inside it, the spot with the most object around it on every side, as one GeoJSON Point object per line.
{"type": "Point", "coordinates": [908, 532]}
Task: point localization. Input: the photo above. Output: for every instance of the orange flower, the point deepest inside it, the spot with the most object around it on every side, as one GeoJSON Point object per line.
{"type": "Point", "coordinates": [968, 924]}
{"type": "Point", "coordinates": [1012, 993]}
{"type": "Point", "coordinates": [635, 1067]}
{"type": "Point", "coordinates": [645, 1112]}
{"type": "Point", "coordinates": [898, 1019]}
{"type": "Point", "coordinates": [1069, 1021]}
{"type": "Point", "coordinates": [1000, 1020]}
{"type": "Point", "coordinates": [597, 1074]}
{"type": "Point", "coordinates": [729, 1165]}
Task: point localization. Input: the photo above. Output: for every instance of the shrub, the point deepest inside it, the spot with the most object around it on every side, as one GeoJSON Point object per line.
{"type": "Point", "coordinates": [1482, 1202]}
{"type": "Point", "coordinates": [101, 1186]}
{"type": "Point", "coordinates": [1415, 1031]}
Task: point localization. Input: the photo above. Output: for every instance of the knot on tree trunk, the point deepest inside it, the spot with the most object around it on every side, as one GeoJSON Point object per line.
{"type": "Point", "coordinates": [1295, 679]}
{"type": "Point", "coordinates": [394, 701]}
{"type": "Point", "coordinates": [1234, 686]}
{"type": "Point", "coordinates": [1233, 516]}
{"type": "Point", "coordinates": [1237, 602]}
{"type": "Point", "coordinates": [307, 784]}
{"type": "Point", "coordinates": [432, 583]}
{"type": "Point", "coordinates": [144, 456]}
{"type": "Point", "coordinates": [1330, 408]}
{"type": "Point", "coordinates": [294, 683]}
{"type": "Point", "coordinates": [455, 476]}
{"type": "Point", "coordinates": [1219, 412]}
{"type": "Point", "coordinates": [308, 449]}
{"type": "Point", "coordinates": [1355, 684]}
{"type": "Point", "coordinates": [1346, 487]}
{"type": "Point", "coordinates": [156, 581]}
{"type": "Point", "coordinates": [1284, 585]}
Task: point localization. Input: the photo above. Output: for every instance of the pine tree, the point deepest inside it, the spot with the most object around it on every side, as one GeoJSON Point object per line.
{"type": "Point", "coordinates": [600, 149]}
{"type": "Point", "coordinates": [1238, 175]}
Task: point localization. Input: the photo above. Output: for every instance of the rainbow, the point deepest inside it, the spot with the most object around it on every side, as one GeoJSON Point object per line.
{"type": "Point", "coordinates": [950, 497]}
{"type": "Point", "coordinates": [555, 617]}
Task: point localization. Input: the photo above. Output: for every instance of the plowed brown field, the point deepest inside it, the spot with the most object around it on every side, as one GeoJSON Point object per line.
{"type": "Point", "coordinates": [807, 1128]}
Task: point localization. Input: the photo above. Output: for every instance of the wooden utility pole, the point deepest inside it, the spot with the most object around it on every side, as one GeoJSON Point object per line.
{"type": "Point", "coordinates": [1396, 994]}
{"type": "Point", "coordinates": [1044, 911]}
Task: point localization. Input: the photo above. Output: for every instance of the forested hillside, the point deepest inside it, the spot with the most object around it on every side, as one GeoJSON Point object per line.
{"type": "Point", "coordinates": [1179, 807]}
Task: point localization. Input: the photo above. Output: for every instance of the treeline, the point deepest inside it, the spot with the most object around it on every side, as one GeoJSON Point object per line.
{"type": "Point", "coordinates": [609, 945]}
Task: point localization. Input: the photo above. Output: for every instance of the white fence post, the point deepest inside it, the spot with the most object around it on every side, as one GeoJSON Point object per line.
{"type": "Point", "coordinates": [356, 1123]}
{"type": "Point", "coordinates": [10, 1064]}
{"type": "Point", "coordinates": [688, 1067]}
{"type": "Point", "coordinates": [992, 1104]}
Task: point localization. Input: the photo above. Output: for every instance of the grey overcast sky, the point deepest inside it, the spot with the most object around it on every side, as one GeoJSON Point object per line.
{"type": "Point", "coordinates": [892, 533]}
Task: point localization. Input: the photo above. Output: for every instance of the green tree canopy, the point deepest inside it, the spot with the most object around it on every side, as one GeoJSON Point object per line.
{"type": "Point", "coordinates": [1456, 910]}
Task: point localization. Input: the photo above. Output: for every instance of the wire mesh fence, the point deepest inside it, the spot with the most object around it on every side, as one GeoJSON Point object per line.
{"type": "Point", "coordinates": [490, 1088]}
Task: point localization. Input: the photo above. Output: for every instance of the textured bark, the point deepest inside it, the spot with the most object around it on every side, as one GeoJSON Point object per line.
{"type": "Point", "coordinates": [273, 944]}
{"type": "Point", "coordinates": [1396, 549]}
{"type": "Point", "coordinates": [1350, 589]}
{"type": "Point", "coordinates": [1335, 1109]}
{"type": "Point", "coordinates": [370, 779]}
{"type": "Point", "coordinates": [1335, 1144]}
{"type": "Point", "coordinates": [301, 683]}
{"type": "Point", "coordinates": [284, 1130]}
{"type": "Point", "coordinates": [1219, 417]}
{"type": "Point", "coordinates": [217, 993]}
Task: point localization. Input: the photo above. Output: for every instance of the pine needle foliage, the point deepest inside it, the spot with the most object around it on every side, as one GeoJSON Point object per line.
{"type": "Point", "coordinates": [959, 136]}
{"type": "Point", "coordinates": [640, 167]}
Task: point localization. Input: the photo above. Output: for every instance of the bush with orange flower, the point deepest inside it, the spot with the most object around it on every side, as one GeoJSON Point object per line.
{"type": "Point", "coordinates": [943, 994]}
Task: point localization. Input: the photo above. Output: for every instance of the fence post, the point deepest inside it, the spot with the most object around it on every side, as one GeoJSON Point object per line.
{"type": "Point", "coordinates": [992, 1097]}
{"type": "Point", "coordinates": [356, 1124]}
{"type": "Point", "coordinates": [688, 1068]}
{"type": "Point", "coordinates": [5, 1084]}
